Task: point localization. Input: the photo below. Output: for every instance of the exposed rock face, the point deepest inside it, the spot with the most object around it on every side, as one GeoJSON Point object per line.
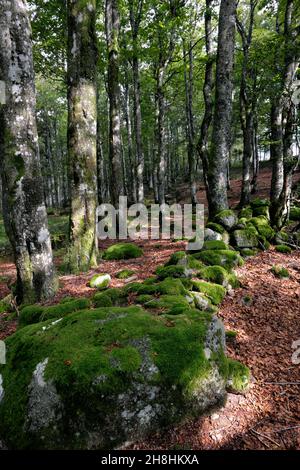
{"type": "Point", "coordinates": [210, 235]}
{"type": "Point", "coordinates": [227, 218]}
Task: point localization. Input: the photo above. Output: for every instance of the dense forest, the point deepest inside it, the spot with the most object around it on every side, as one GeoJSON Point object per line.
{"type": "Point", "coordinates": [129, 341]}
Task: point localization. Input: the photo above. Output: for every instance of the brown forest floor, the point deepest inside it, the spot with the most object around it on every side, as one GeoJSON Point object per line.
{"type": "Point", "coordinates": [268, 416]}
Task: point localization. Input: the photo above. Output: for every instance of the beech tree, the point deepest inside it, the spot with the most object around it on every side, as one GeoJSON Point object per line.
{"type": "Point", "coordinates": [221, 132]}
{"type": "Point", "coordinates": [82, 133]}
{"type": "Point", "coordinates": [24, 209]}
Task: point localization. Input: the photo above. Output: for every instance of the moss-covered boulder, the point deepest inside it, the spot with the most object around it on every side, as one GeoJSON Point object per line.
{"type": "Point", "coordinates": [103, 377]}
{"type": "Point", "coordinates": [246, 213]}
{"type": "Point", "coordinates": [125, 274]}
{"type": "Point", "coordinates": [37, 313]}
{"type": "Point", "coordinates": [211, 235]}
{"type": "Point", "coordinates": [239, 377]}
{"type": "Point", "coordinates": [227, 218]}
{"type": "Point", "coordinates": [245, 238]}
{"type": "Point", "coordinates": [122, 251]}
{"type": "Point", "coordinates": [214, 245]}
{"type": "Point", "coordinates": [214, 292]}
{"type": "Point", "coordinates": [100, 281]}
{"type": "Point", "coordinates": [218, 275]}
{"type": "Point", "coordinates": [262, 225]}
{"type": "Point", "coordinates": [257, 202]}
{"type": "Point", "coordinates": [248, 252]}
{"type": "Point", "coordinates": [228, 259]}
{"type": "Point", "coordinates": [177, 271]}
{"type": "Point", "coordinates": [283, 249]}
{"type": "Point", "coordinates": [280, 271]}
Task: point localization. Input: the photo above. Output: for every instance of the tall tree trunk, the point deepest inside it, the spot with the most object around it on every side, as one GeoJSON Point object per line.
{"type": "Point", "coordinates": [221, 135]}
{"type": "Point", "coordinates": [161, 134]}
{"type": "Point", "coordinates": [246, 107]}
{"type": "Point", "coordinates": [208, 96]}
{"type": "Point", "coordinates": [131, 176]}
{"type": "Point", "coordinates": [82, 132]}
{"type": "Point", "coordinates": [188, 80]}
{"type": "Point", "coordinates": [281, 127]}
{"type": "Point", "coordinates": [115, 144]}
{"type": "Point", "coordinates": [135, 21]}
{"type": "Point", "coordinates": [24, 209]}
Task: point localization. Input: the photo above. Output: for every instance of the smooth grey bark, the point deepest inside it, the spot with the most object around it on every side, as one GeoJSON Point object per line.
{"type": "Point", "coordinates": [112, 20]}
{"type": "Point", "coordinates": [208, 87]}
{"type": "Point", "coordinates": [221, 133]}
{"type": "Point", "coordinates": [246, 106]}
{"type": "Point", "coordinates": [282, 121]}
{"type": "Point", "coordinates": [135, 21]}
{"type": "Point", "coordinates": [24, 209]}
{"type": "Point", "coordinates": [82, 133]}
{"type": "Point", "coordinates": [131, 161]}
{"type": "Point", "coordinates": [188, 81]}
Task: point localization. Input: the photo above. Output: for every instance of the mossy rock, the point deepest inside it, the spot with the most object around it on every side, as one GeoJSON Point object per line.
{"type": "Point", "coordinates": [295, 213]}
{"type": "Point", "coordinates": [283, 249]}
{"type": "Point", "coordinates": [228, 259]}
{"type": "Point", "coordinates": [248, 252]}
{"type": "Point", "coordinates": [281, 237]}
{"type": "Point", "coordinates": [263, 227]}
{"type": "Point", "coordinates": [239, 377]}
{"type": "Point", "coordinates": [215, 227]}
{"type": "Point", "coordinates": [100, 281]}
{"type": "Point", "coordinates": [280, 272]}
{"type": "Point", "coordinates": [244, 238]}
{"type": "Point", "coordinates": [246, 213]}
{"type": "Point", "coordinates": [100, 378]}
{"type": "Point", "coordinates": [122, 251]}
{"type": "Point", "coordinates": [114, 296]}
{"type": "Point", "coordinates": [163, 272]}
{"type": "Point", "coordinates": [257, 202]}
{"type": "Point", "coordinates": [214, 245]}
{"type": "Point", "coordinates": [36, 313]}
{"type": "Point", "coordinates": [211, 235]}
{"type": "Point", "coordinates": [125, 274]}
{"type": "Point", "coordinates": [262, 210]}
{"type": "Point", "coordinates": [202, 302]}
{"type": "Point", "coordinates": [214, 292]}
{"type": "Point", "coordinates": [227, 218]}
{"type": "Point", "coordinates": [170, 304]}
{"type": "Point", "coordinates": [218, 275]}
{"type": "Point", "coordinates": [175, 258]}
{"type": "Point", "coordinates": [142, 299]}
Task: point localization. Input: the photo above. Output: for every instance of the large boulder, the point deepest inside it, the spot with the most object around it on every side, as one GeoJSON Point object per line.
{"type": "Point", "coordinates": [227, 218]}
{"type": "Point", "coordinates": [245, 238]}
{"type": "Point", "coordinates": [100, 281]}
{"type": "Point", "coordinates": [100, 378]}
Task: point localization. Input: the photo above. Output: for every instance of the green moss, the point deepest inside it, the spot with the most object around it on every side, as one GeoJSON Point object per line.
{"type": "Point", "coordinates": [230, 334]}
{"type": "Point", "coordinates": [170, 304]}
{"type": "Point", "coordinates": [215, 227]}
{"type": "Point", "coordinates": [171, 271]}
{"type": "Point", "coordinates": [262, 225]}
{"type": "Point", "coordinates": [238, 376]}
{"type": "Point", "coordinates": [214, 245]}
{"type": "Point", "coordinates": [280, 272]}
{"type": "Point", "coordinates": [103, 300]}
{"type": "Point", "coordinates": [107, 339]}
{"type": "Point", "coordinates": [116, 296]}
{"type": "Point", "coordinates": [122, 251]}
{"type": "Point", "coordinates": [227, 218]}
{"type": "Point", "coordinates": [67, 299]}
{"type": "Point", "coordinates": [125, 274]}
{"type": "Point", "coordinates": [245, 213]}
{"type": "Point", "coordinates": [247, 252]}
{"type": "Point", "coordinates": [263, 210]}
{"type": "Point", "coordinates": [36, 313]}
{"type": "Point", "coordinates": [214, 292]}
{"type": "Point", "coordinates": [175, 257]}
{"type": "Point", "coordinates": [257, 202]}
{"type": "Point", "coordinates": [283, 249]}
{"type": "Point", "coordinates": [295, 213]}
{"type": "Point", "coordinates": [218, 275]}
{"type": "Point", "coordinates": [225, 258]}
{"type": "Point", "coordinates": [142, 299]}
{"type": "Point", "coordinates": [100, 281]}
